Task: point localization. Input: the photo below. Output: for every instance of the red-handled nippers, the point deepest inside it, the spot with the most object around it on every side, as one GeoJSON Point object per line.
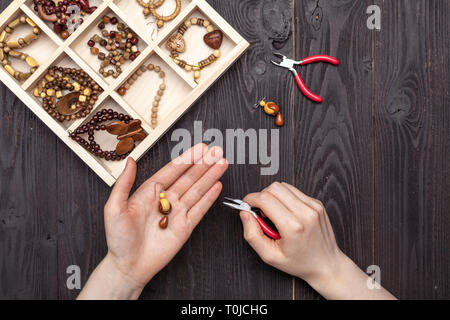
{"type": "Point", "coordinates": [289, 64]}
{"type": "Point", "coordinates": [243, 206]}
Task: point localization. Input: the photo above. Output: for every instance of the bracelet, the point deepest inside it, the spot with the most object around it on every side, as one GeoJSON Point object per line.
{"type": "Point", "coordinates": [162, 87]}
{"type": "Point", "coordinates": [7, 48]}
{"type": "Point", "coordinates": [151, 6]}
{"type": "Point", "coordinates": [127, 130]}
{"type": "Point", "coordinates": [121, 45]}
{"type": "Point", "coordinates": [78, 103]}
{"type": "Point", "coordinates": [56, 12]}
{"type": "Point", "coordinates": [176, 45]}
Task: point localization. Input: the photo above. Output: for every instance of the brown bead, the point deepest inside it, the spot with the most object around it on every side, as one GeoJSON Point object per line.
{"type": "Point", "coordinates": [95, 51]}
{"type": "Point", "coordinates": [164, 222]}
{"type": "Point", "coordinates": [65, 34]}
{"type": "Point", "coordinates": [122, 91]}
{"type": "Point", "coordinates": [279, 120]}
{"type": "Point", "coordinates": [125, 146]}
{"type": "Point", "coordinates": [134, 125]}
{"type": "Point", "coordinates": [274, 107]}
{"type": "Point", "coordinates": [117, 128]}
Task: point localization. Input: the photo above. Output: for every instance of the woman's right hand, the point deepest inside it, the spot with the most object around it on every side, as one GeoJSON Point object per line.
{"type": "Point", "coordinates": [307, 248]}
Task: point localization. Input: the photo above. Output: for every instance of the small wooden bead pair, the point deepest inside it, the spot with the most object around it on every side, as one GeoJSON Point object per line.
{"type": "Point", "coordinates": [272, 109]}
{"type": "Point", "coordinates": [164, 208]}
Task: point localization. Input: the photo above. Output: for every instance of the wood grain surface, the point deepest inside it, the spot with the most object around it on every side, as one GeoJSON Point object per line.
{"type": "Point", "coordinates": [375, 153]}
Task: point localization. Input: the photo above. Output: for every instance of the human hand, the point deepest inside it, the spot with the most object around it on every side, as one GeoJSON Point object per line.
{"type": "Point", "coordinates": [137, 247]}
{"type": "Point", "coordinates": [307, 248]}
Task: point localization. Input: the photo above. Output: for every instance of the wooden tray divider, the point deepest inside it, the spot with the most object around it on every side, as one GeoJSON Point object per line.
{"type": "Point", "coordinates": [43, 66]}
{"type": "Point", "coordinates": [41, 24]}
{"type": "Point", "coordinates": [129, 109]}
{"type": "Point", "coordinates": [186, 76]}
{"type": "Point", "coordinates": [87, 23]}
{"type": "Point", "coordinates": [76, 123]}
{"type": "Point", "coordinates": [87, 68]}
{"type": "Point", "coordinates": [218, 20]}
{"type": "Point", "coordinates": [130, 69]}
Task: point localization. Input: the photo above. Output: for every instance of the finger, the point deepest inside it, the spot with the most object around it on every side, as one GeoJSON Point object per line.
{"type": "Point", "coordinates": [287, 197]}
{"type": "Point", "coordinates": [121, 191]}
{"type": "Point", "coordinates": [187, 180]}
{"type": "Point", "coordinates": [199, 189]}
{"type": "Point", "coordinates": [315, 205]}
{"type": "Point", "coordinates": [264, 247]}
{"type": "Point", "coordinates": [274, 209]}
{"type": "Point", "coordinates": [311, 202]}
{"type": "Point", "coordinates": [174, 169]}
{"type": "Point", "coordinates": [198, 211]}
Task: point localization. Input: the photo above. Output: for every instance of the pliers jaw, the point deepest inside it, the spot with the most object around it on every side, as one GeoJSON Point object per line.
{"type": "Point", "coordinates": [285, 62]}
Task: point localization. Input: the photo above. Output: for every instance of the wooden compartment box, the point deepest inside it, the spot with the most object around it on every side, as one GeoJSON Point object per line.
{"type": "Point", "coordinates": [182, 91]}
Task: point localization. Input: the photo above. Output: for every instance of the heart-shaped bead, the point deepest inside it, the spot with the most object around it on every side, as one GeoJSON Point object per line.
{"type": "Point", "coordinates": [214, 39]}
{"type": "Point", "coordinates": [176, 43]}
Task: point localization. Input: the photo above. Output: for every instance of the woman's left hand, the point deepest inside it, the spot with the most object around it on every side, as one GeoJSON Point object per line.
{"type": "Point", "coordinates": [137, 247]}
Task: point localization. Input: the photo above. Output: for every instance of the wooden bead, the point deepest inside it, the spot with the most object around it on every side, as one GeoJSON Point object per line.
{"type": "Point", "coordinates": [122, 91]}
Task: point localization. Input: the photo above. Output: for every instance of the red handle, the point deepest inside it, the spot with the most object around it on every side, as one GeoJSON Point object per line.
{"type": "Point", "coordinates": [267, 230]}
{"type": "Point", "coordinates": [320, 58]}
{"type": "Point", "coordinates": [306, 91]}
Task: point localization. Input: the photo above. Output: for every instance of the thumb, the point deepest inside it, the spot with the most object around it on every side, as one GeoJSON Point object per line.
{"type": "Point", "coordinates": [121, 191]}
{"type": "Point", "coordinates": [255, 237]}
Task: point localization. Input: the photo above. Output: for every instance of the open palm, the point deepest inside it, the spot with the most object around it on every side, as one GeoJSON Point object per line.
{"type": "Point", "coordinates": [136, 243]}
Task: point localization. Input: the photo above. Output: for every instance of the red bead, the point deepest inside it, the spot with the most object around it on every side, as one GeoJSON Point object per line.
{"type": "Point", "coordinates": [91, 43]}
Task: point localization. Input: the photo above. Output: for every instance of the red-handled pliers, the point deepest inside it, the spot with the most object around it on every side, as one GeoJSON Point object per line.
{"type": "Point", "coordinates": [289, 64]}
{"type": "Point", "coordinates": [243, 206]}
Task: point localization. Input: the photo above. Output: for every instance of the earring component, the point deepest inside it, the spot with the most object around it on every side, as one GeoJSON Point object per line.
{"type": "Point", "coordinates": [146, 6]}
{"type": "Point", "coordinates": [164, 208]}
{"type": "Point", "coordinates": [8, 48]}
{"type": "Point", "coordinates": [272, 109]}
{"type": "Point", "coordinates": [159, 94]}
{"type": "Point", "coordinates": [151, 6]}
{"type": "Point", "coordinates": [121, 45]}
{"type": "Point", "coordinates": [78, 103]}
{"type": "Point", "coordinates": [176, 45]}
{"type": "Point", "coordinates": [127, 130]}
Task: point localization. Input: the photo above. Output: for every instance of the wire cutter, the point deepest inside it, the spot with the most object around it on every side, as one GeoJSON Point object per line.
{"type": "Point", "coordinates": [243, 206]}
{"type": "Point", "coordinates": [289, 64]}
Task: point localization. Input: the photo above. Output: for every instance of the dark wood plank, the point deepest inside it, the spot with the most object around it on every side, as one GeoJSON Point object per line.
{"type": "Point", "coordinates": [412, 148]}
{"type": "Point", "coordinates": [217, 263]}
{"type": "Point", "coordinates": [28, 230]}
{"type": "Point", "coordinates": [333, 140]}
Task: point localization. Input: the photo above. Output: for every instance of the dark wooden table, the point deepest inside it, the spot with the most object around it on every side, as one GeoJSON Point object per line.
{"type": "Point", "coordinates": [375, 152]}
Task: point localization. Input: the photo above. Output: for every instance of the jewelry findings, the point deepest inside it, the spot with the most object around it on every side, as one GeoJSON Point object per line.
{"type": "Point", "coordinates": [8, 48]}
{"type": "Point", "coordinates": [272, 109]}
{"type": "Point", "coordinates": [159, 94]}
{"type": "Point", "coordinates": [77, 104]}
{"type": "Point", "coordinates": [121, 45]}
{"type": "Point", "coordinates": [127, 130]}
{"type": "Point", "coordinates": [177, 44]}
